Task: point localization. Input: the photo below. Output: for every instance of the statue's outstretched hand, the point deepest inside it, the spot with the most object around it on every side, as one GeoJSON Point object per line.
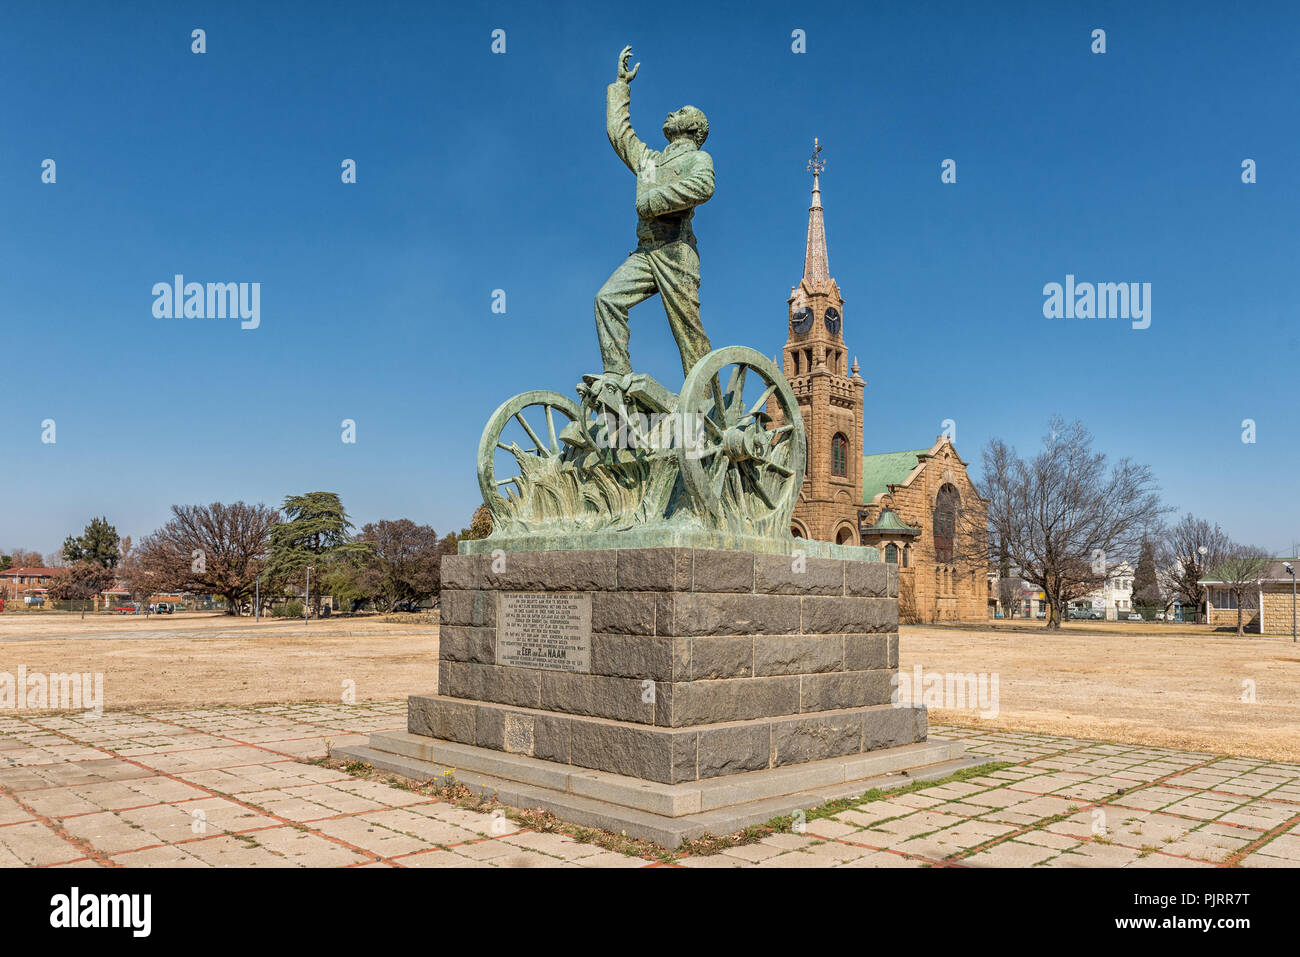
{"type": "Point", "coordinates": [624, 74]}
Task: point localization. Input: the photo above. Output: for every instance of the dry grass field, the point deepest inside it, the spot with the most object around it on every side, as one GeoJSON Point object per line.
{"type": "Point", "coordinates": [212, 659]}
{"type": "Point", "coordinates": [1145, 684]}
{"type": "Point", "coordinates": [1171, 686]}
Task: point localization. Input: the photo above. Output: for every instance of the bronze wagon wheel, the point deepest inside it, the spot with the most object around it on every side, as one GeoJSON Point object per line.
{"type": "Point", "coordinates": [739, 472]}
{"type": "Point", "coordinates": [541, 416]}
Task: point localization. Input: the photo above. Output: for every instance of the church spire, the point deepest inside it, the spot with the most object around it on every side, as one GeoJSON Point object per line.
{"type": "Point", "coordinates": [815, 265]}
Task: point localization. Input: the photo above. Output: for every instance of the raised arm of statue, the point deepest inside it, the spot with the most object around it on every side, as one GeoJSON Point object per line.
{"type": "Point", "coordinates": [618, 122]}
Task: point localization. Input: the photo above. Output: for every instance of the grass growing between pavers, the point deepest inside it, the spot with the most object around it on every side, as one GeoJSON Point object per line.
{"type": "Point", "coordinates": [453, 792]}
{"type": "Point", "coordinates": [786, 824]}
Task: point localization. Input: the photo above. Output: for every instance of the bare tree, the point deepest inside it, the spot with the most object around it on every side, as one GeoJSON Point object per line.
{"type": "Point", "coordinates": [1170, 589]}
{"type": "Point", "coordinates": [22, 558]}
{"type": "Point", "coordinates": [214, 548]}
{"type": "Point", "coordinates": [1188, 551]}
{"type": "Point", "coordinates": [405, 562]}
{"type": "Point", "coordinates": [1063, 517]}
{"type": "Point", "coordinates": [1241, 572]}
{"type": "Point", "coordinates": [81, 581]}
{"type": "Point", "coordinates": [1009, 594]}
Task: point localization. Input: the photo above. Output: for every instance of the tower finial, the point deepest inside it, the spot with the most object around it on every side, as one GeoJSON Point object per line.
{"type": "Point", "coordinates": [816, 164]}
{"type": "Point", "coordinates": [815, 265]}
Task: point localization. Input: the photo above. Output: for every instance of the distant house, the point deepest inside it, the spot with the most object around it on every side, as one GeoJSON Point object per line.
{"type": "Point", "coordinates": [17, 582]}
{"type": "Point", "coordinates": [1114, 597]}
{"type": "Point", "coordinates": [1269, 608]}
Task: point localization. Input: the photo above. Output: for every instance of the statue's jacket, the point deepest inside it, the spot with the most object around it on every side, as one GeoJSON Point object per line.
{"type": "Point", "coordinates": [669, 184]}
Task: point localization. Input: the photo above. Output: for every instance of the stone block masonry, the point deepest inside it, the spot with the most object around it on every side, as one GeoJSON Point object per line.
{"type": "Point", "coordinates": [698, 663]}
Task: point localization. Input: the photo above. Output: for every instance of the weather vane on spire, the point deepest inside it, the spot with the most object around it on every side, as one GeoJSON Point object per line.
{"type": "Point", "coordinates": [816, 164]}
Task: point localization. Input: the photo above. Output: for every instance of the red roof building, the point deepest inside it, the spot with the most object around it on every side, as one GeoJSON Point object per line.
{"type": "Point", "coordinates": [16, 582]}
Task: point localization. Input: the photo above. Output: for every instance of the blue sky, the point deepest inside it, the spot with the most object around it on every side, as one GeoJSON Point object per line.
{"type": "Point", "coordinates": [478, 172]}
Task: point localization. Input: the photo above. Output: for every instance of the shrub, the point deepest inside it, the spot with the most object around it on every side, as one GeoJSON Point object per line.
{"type": "Point", "coordinates": [290, 609]}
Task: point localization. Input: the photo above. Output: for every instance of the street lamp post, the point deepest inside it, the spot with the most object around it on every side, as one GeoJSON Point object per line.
{"type": "Point", "coordinates": [306, 605]}
{"type": "Point", "coordinates": [1203, 550]}
{"type": "Point", "coordinates": [1290, 569]}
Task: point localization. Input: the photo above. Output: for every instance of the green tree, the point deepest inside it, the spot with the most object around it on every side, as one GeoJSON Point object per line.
{"type": "Point", "coordinates": [315, 534]}
{"type": "Point", "coordinates": [98, 543]}
{"type": "Point", "coordinates": [1146, 586]}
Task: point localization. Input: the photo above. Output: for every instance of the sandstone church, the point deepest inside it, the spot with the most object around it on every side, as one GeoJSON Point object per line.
{"type": "Point", "coordinates": [918, 507]}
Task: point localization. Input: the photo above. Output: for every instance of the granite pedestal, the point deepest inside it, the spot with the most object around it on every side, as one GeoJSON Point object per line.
{"type": "Point", "coordinates": [664, 691]}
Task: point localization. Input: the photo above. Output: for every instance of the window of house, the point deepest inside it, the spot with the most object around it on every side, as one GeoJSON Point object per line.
{"type": "Point", "coordinates": [839, 455]}
{"type": "Point", "coordinates": [1223, 599]}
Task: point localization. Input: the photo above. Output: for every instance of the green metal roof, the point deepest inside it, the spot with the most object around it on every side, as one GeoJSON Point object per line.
{"type": "Point", "coordinates": [884, 469]}
{"type": "Point", "coordinates": [889, 522]}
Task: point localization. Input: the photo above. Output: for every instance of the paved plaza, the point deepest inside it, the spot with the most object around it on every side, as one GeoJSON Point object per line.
{"type": "Point", "coordinates": [226, 787]}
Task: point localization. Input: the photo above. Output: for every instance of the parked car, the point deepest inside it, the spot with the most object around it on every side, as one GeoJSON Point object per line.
{"type": "Point", "coordinates": [164, 608]}
{"type": "Point", "coordinates": [1134, 616]}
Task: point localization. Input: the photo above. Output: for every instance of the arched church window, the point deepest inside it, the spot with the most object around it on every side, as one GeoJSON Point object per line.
{"type": "Point", "coordinates": [839, 455]}
{"type": "Point", "coordinates": [946, 505]}
{"type": "Point", "coordinates": [891, 553]}
{"type": "Point", "coordinates": [907, 556]}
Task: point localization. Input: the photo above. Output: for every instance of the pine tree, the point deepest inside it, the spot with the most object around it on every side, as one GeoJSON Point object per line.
{"type": "Point", "coordinates": [1146, 588]}
{"type": "Point", "coordinates": [98, 544]}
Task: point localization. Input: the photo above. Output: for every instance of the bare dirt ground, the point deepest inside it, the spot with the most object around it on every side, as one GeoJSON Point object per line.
{"type": "Point", "coordinates": [199, 659]}
{"type": "Point", "coordinates": [1141, 683]}
{"type": "Point", "coordinates": [1174, 686]}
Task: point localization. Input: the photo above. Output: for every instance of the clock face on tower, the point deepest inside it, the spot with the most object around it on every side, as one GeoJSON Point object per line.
{"type": "Point", "coordinates": [832, 318]}
{"type": "Point", "coordinates": [802, 320]}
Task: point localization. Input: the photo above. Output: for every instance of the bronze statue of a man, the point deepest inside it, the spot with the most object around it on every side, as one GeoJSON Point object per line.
{"type": "Point", "coordinates": [669, 185]}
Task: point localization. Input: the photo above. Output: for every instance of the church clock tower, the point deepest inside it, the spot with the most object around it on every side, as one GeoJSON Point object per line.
{"type": "Point", "coordinates": [815, 361]}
